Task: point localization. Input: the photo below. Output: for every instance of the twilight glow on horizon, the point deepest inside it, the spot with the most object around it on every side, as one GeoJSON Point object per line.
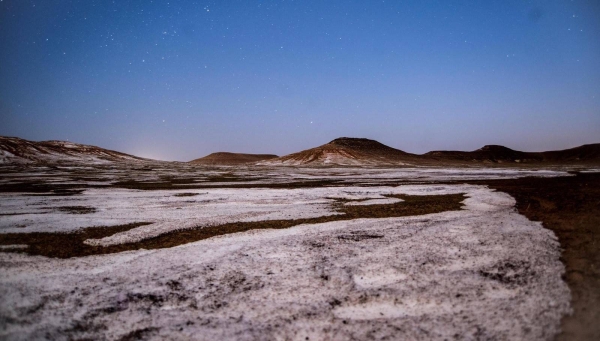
{"type": "Point", "coordinates": [177, 80]}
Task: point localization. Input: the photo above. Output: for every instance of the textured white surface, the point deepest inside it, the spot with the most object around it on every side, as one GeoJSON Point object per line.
{"type": "Point", "coordinates": [167, 211]}
{"type": "Point", "coordinates": [24, 212]}
{"type": "Point", "coordinates": [485, 272]}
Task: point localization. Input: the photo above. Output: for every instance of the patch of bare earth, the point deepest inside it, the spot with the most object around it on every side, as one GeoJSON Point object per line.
{"type": "Point", "coordinates": [76, 209]}
{"type": "Point", "coordinates": [67, 245]}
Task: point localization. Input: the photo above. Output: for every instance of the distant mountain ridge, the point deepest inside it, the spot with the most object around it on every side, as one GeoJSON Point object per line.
{"type": "Point", "coordinates": [343, 151]}
{"type": "Point", "coordinates": [347, 151]}
{"type": "Point", "coordinates": [226, 158]}
{"type": "Point", "coordinates": [17, 150]}
{"type": "Point", "coordinates": [500, 154]}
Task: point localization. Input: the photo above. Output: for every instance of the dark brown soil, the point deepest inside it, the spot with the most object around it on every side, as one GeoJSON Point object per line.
{"type": "Point", "coordinates": [186, 194]}
{"type": "Point", "coordinates": [38, 188]}
{"type": "Point", "coordinates": [41, 188]}
{"type": "Point", "coordinates": [569, 206]}
{"type": "Point", "coordinates": [62, 245]}
{"type": "Point", "coordinates": [76, 209]}
{"type": "Point", "coordinates": [67, 245]}
{"type": "Point", "coordinates": [153, 186]}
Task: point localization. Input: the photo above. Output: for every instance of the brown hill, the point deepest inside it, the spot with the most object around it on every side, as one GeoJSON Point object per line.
{"type": "Point", "coordinates": [341, 151]}
{"type": "Point", "coordinates": [585, 153]}
{"type": "Point", "coordinates": [589, 153]}
{"type": "Point", "coordinates": [348, 151]}
{"type": "Point", "coordinates": [17, 150]}
{"type": "Point", "coordinates": [224, 158]}
{"type": "Point", "coordinates": [488, 153]}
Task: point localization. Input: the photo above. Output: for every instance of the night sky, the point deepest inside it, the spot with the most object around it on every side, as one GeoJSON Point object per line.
{"type": "Point", "coordinates": [176, 80]}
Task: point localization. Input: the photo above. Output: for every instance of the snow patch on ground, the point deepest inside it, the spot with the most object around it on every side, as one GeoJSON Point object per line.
{"type": "Point", "coordinates": [13, 247]}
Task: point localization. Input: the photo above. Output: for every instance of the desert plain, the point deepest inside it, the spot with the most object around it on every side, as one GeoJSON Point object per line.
{"type": "Point", "coordinates": [351, 241]}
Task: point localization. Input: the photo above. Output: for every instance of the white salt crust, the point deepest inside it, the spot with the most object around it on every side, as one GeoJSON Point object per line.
{"type": "Point", "coordinates": [485, 272]}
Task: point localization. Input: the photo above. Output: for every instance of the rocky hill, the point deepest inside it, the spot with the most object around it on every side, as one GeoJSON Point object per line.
{"type": "Point", "coordinates": [224, 158]}
{"type": "Point", "coordinates": [343, 151]}
{"type": "Point", "coordinates": [17, 150]}
{"type": "Point", "coordinates": [349, 152]}
{"type": "Point", "coordinates": [589, 153]}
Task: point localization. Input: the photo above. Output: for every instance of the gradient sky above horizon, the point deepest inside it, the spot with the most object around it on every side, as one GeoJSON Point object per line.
{"type": "Point", "coordinates": [176, 80]}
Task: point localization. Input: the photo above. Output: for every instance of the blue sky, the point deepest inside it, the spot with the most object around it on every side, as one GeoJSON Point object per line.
{"type": "Point", "coordinates": [177, 80]}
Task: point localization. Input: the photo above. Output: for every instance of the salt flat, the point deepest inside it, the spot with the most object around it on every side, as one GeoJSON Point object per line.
{"type": "Point", "coordinates": [481, 272]}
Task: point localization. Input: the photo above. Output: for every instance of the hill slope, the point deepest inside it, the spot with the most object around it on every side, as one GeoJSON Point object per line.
{"type": "Point", "coordinates": [17, 150]}
{"type": "Point", "coordinates": [224, 158]}
{"type": "Point", "coordinates": [585, 153]}
{"type": "Point", "coordinates": [342, 151]}
{"type": "Point", "coordinates": [349, 152]}
{"type": "Point", "coordinates": [589, 153]}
